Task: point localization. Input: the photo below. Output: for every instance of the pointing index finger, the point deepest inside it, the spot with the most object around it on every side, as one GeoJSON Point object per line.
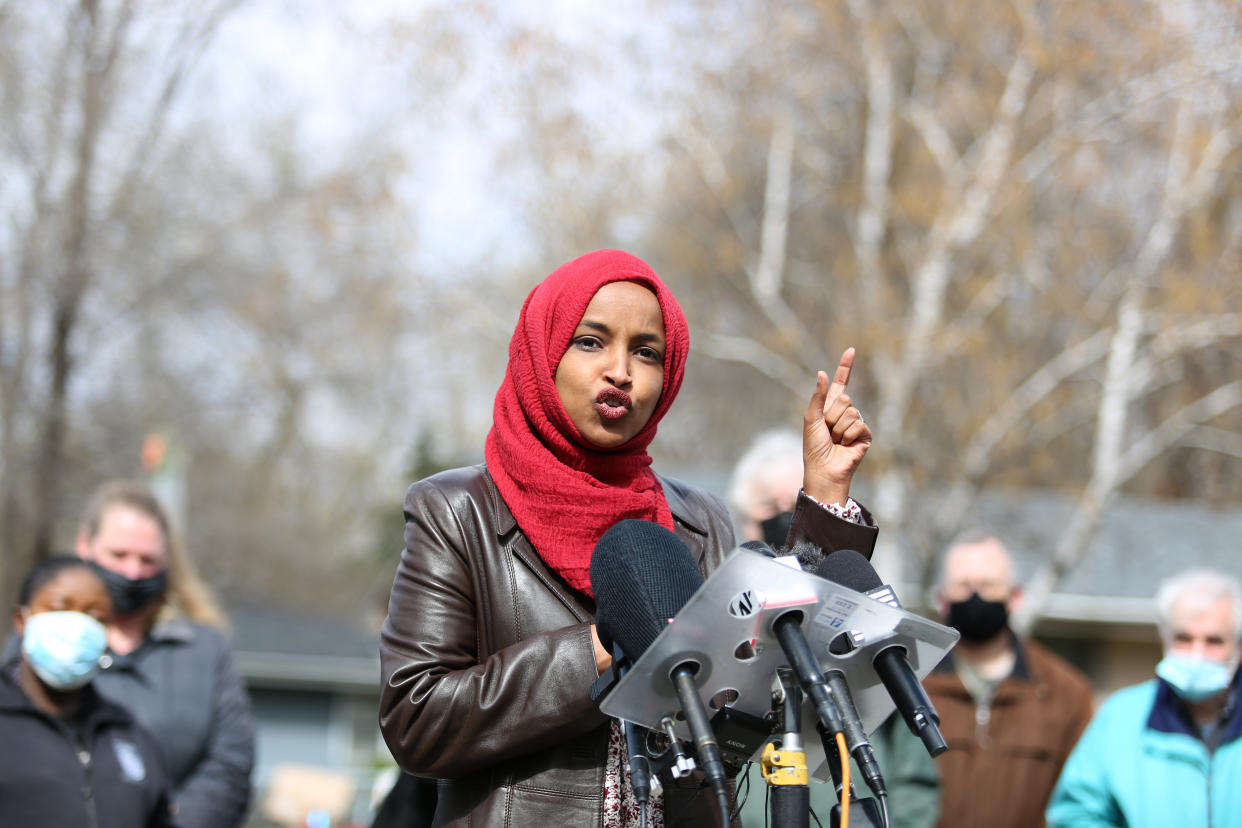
{"type": "Point", "coordinates": [842, 376]}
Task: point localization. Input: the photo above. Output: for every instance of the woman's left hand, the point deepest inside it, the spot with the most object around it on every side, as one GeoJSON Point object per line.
{"type": "Point", "coordinates": [834, 436]}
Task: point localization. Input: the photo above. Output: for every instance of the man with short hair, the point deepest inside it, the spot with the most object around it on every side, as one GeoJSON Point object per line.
{"type": "Point", "coordinates": [1010, 710]}
{"type": "Point", "coordinates": [1168, 751]}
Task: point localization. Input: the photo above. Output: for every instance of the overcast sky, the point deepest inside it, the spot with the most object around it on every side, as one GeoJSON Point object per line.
{"type": "Point", "coordinates": [331, 63]}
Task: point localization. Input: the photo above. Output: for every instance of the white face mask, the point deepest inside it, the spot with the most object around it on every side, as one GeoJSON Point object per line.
{"type": "Point", "coordinates": [63, 648]}
{"type": "Point", "coordinates": [1194, 678]}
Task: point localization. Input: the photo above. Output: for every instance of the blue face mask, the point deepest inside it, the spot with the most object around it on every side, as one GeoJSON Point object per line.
{"type": "Point", "coordinates": [63, 648]}
{"type": "Point", "coordinates": [1194, 679]}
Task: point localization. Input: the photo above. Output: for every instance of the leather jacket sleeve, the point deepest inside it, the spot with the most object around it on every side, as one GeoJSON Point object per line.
{"type": "Point", "coordinates": [452, 701]}
{"type": "Point", "coordinates": [485, 655]}
{"type": "Point", "coordinates": [816, 525]}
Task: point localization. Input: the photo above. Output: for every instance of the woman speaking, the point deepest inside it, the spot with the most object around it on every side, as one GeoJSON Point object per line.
{"type": "Point", "coordinates": [489, 650]}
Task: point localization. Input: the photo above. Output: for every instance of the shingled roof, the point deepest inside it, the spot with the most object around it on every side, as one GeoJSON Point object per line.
{"type": "Point", "coordinates": [1140, 542]}
{"type": "Point", "coordinates": [284, 648]}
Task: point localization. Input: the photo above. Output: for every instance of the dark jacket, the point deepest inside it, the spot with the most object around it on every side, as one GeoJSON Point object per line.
{"type": "Point", "coordinates": [1004, 757]}
{"type": "Point", "coordinates": [105, 773]}
{"type": "Point", "coordinates": [182, 687]}
{"type": "Point", "coordinates": [486, 656]}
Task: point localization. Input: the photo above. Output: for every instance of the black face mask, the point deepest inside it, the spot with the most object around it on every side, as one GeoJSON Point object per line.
{"type": "Point", "coordinates": [978, 620]}
{"type": "Point", "coordinates": [130, 595]}
{"type": "Point", "coordinates": [776, 529]}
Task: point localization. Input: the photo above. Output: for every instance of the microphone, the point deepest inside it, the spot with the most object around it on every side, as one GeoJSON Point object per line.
{"type": "Point", "coordinates": [850, 569]}
{"type": "Point", "coordinates": [788, 630]}
{"type": "Point", "coordinates": [642, 575]}
{"type": "Point", "coordinates": [806, 555]}
{"type": "Point", "coordinates": [851, 723]}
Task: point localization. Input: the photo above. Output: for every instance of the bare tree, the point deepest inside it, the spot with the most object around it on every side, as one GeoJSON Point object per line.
{"type": "Point", "coordinates": [71, 177]}
{"type": "Point", "coordinates": [1004, 271]}
{"type": "Point", "coordinates": [240, 294]}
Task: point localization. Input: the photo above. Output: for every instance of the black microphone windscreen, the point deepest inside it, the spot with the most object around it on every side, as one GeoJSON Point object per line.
{"type": "Point", "coordinates": [761, 547]}
{"type": "Point", "coordinates": [849, 569]}
{"type": "Point", "coordinates": [642, 575]}
{"type": "Point", "coordinates": [808, 555]}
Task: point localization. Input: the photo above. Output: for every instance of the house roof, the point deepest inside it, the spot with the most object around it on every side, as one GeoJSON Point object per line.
{"type": "Point", "coordinates": [1139, 543]}
{"type": "Point", "coordinates": [281, 648]}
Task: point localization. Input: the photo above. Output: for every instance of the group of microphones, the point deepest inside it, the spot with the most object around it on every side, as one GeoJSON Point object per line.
{"type": "Point", "coordinates": [830, 622]}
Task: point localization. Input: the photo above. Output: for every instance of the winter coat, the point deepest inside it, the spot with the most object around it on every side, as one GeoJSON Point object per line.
{"type": "Point", "coordinates": [1004, 756]}
{"type": "Point", "coordinates": [99, 771]}
{"type": "Point", "coordinates": [1141, 763]}
{"type": "Point", "coordinates": [486, 656]}
{"type": "Point", "coordinates": [181, 686]}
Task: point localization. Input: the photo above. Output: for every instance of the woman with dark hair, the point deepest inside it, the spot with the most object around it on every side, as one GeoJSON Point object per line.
{"type": "Point", "coordinates": [489, 648]}
{"type": "Point", "coordinates": [70, 757]}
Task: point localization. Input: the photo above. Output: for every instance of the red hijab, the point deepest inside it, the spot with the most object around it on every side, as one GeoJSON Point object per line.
{"type": "Point", "coordinates": [564, 491]}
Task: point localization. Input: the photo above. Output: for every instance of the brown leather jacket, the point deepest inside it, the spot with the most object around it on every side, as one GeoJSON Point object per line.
{"type": "Point", "coordinates": [1004, 757]}
{"type": "Point", "coordinates": [486, 656]}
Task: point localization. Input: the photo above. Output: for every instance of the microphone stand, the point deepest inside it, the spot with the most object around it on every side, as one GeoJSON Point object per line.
{"type": "Point", "coordinates": [784, 768]}
{"type": "Point", "coordinates": [640, 770]}
{"type": "Point", "coordinates": [642, 781]}
{"type": "Point", "coordinates": [785, 771]}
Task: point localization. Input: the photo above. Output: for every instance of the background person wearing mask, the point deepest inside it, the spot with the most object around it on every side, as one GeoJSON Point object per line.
{"type": "Point", "coordinates": [69, 756]}
{"type": "Point", "coordinates": [764, 486]}
{"type": "Point", "coordinates": [168, 662]}
{"type": "Point", "coordinates": [763, 491]}
{"type": "Point", "coordinates": [1168, 751]}
{"type": "Point", "coordinates": [1010, 710]}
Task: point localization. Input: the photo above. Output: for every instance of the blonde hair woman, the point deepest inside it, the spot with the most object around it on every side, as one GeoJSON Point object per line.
{"type": "Point", "coordinates": [168, 661]}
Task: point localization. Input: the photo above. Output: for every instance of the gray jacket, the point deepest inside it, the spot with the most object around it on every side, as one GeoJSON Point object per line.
{"type": "Point", "coordinates": [181, 686]}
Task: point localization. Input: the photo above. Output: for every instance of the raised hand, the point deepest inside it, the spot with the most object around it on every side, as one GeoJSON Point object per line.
{"type": "Point", "coordinates": [834, 437]}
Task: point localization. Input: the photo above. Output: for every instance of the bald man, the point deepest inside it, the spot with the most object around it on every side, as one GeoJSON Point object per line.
{"type": "Point", "coordinates": [1010, 710]}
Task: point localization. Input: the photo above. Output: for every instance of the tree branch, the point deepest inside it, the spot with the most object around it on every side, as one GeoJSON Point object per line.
{"type": "Point", "coordinates": [1177, 427]}
{"type": "Point", "coordinates": [1214, 439]}
{"type": "Point", "coordinates": [715, 175]}
{"type": "Point", "coordinates": [747, 351]}
{"type": "Point", "coordinates": [877, 161]}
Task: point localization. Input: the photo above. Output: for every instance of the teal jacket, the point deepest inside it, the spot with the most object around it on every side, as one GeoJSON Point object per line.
{"type": "Point", "coordinates": [1142, 763]}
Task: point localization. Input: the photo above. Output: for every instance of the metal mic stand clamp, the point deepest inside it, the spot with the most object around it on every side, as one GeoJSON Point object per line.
{"type": "Point", "coordinates": [784, 767]}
